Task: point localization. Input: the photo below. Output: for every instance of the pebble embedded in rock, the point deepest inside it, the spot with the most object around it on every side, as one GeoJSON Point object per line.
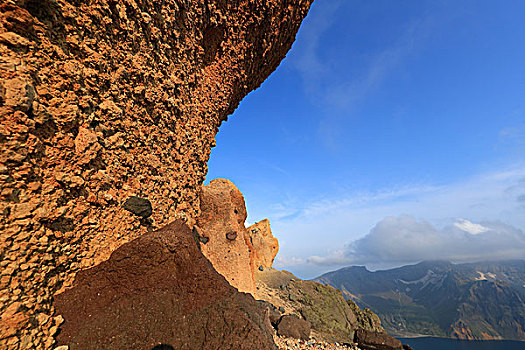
{"type": "Point", "coordinates": [231, 235]}
{"type": "Point", "coordinates": [139, 206]}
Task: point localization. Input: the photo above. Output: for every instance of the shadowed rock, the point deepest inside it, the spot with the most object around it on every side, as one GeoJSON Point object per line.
{"type": "Point", "coordinates": [368, 340]}
{"type": "Point", "coordinates": [294, 327]}
{"type": "Point", "coordinates": [138, 206]}
{"type": "Point", "coordinates": [159, 289]}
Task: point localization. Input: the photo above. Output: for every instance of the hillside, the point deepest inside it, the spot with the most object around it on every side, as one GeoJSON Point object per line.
{"type": "Point", "coordinates": [466, 301]}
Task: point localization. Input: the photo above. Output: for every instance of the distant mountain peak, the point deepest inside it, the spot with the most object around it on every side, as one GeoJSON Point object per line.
{"type": "Point", "coordinates": [483, 300]}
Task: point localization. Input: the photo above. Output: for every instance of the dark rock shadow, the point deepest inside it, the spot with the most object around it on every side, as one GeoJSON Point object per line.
{"type": "Point", "coordinates": [163, 347]}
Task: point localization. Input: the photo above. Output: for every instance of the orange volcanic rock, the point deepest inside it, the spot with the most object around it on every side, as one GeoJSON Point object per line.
{"type": "Point", "coordinates": [224, 239]}
{"type": "Point", "coordinates": [104, 100]}
{"type": "Point", "coordinates": [265, 245]}
{"type": "Point", "coordinates": [234, 251]}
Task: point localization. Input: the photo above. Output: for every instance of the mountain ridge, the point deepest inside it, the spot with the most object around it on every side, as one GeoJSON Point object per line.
{"type": "Point", "coordinates": [480, 300]}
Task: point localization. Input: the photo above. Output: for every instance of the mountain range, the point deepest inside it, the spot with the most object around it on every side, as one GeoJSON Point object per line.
{"type": "Point", "coordinates": [484, 300]}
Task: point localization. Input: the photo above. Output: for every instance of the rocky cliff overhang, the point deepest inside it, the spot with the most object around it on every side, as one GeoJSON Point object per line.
{"type": "Point", "coordinates": [105, 100]}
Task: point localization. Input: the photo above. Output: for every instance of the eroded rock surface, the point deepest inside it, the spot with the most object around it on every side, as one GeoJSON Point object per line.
{"type": "Point", "coordinates": [159, 289]}
{"type": "Point", "coordinates": [265, 245]}
{"type": "Point", "coordinates": [224, 239]}
{"type": "Point", "coordinates": [234, 250]}
{"type": "Point", "coordinates": [104, 100]}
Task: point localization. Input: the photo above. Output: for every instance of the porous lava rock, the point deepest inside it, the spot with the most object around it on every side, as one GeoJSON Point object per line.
{"type": "Point", "coordinates": [102, 100]}
{"type": "Point", "coordinates": [159, 289]}
{"type": "Point", "coordinates": [221, 226]}
{"type": "Point", "coordinates": [265, 245]}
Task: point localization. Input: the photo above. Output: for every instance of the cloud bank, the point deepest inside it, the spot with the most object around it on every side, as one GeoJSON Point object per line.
{"type": "Point", "coordinates": [404, 239]}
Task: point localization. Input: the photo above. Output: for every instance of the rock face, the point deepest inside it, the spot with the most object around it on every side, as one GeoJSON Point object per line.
{"type": "Point", "coordinates": [366, 319]}
{"type": "Point", "coordinates": [159, 289]}
{"type": "Point", "coordinates": [224, 239]}
{"type": "Point", "coordinates": [234, 251]}
{"type": "Point", "coordinates": [104, 100]}
{"type": "Point", "coordinates": [265, 245]}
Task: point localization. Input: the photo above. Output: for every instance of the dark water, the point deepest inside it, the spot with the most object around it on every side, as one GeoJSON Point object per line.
{"type": "Point", "coordinates": [452, 344]}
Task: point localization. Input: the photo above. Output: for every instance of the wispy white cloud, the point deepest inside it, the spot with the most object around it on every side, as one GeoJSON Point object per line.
{"type": "Point", "coordinates": [513, 137]}
{"type": "Point", "coordinates": [341, 83]}
{"type": "Point", "coordinates": [333, 83]}
{"type": "Point", "coordinates": [307, 59]}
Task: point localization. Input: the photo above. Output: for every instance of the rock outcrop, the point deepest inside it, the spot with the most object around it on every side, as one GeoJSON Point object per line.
{"type": "Point", "coordinates": [331, 318]}
{"type": "Point", "coordinates": [368, 340]}
{"type": "Point", "coordinates": [366, 319]}
{"type": "Point", "coordinates": [159, 289]}
{"type": "Point", "coordinates": [265, 245]}
{"type": "Point", "coordinates": [224, 239]}
{"type": "Point", "coordinates": [104, 100]}
{"type": "Point", "coordinates": [234, 250]}
{"type": "Point", "coordinates": [245, 257]}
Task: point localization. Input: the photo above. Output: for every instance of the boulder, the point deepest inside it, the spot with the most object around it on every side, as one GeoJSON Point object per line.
{"type": "Point", "coordinates": [221, 226]}
{"type": "Point", "coordinates": [368, 340]}
{"type": "Point", "coordinates": [265, 245]}
{"type": "Point", "coordinates": [294, 327]}
{"type": "Point", "coordinates": [159, 290]}
{"type": "Point", "coordinates": [274, 313]}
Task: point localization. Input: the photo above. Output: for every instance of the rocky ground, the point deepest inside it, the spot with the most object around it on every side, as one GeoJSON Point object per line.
{"type": "Point", "coordinates": [296, 344]}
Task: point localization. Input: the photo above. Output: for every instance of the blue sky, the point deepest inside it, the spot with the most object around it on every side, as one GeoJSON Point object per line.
{"type": "Point", "coordinates": [387, 117]}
